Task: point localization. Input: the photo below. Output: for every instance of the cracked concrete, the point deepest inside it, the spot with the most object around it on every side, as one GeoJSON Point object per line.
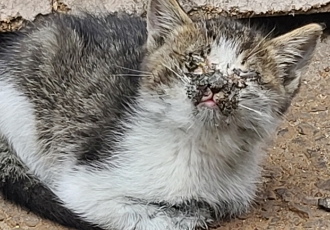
{"type": "Point", "coordinates": [28, 10]}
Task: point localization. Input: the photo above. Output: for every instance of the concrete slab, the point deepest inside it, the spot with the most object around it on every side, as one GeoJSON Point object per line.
{"type": "Point", "coordinates": [28, 10]}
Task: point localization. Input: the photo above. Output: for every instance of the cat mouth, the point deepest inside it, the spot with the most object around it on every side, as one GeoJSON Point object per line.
{"type": "Point", "coordinates": [208, 99]}
{"type": "Point", "coordinates": [219, 99]}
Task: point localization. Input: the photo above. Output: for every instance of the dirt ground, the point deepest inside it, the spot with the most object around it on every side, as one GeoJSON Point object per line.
{"type": "Point", "coordinates": [296, 171]}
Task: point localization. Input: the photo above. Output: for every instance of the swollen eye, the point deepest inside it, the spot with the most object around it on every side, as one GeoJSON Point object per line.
{"type": "Point", "coordinates": [191, 66]}
{"type": "Point", "coordinates": [194, 61]}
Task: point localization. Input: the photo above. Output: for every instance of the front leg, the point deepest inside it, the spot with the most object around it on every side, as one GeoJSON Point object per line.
{"type": "Point", "coordinates": [123, 213]}
{"type": "Point", "coordinates": [188, 215]}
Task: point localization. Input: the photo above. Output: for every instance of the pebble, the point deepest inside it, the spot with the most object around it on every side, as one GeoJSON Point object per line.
{"type": "Point", "coordinates": [325, 185]}
{"type": "Point", "coordinates": [324, 203]}
{"type": "Point", "coordinates": [2, 216]}
{"type": "Point", "coordinates": [302, 211]}
{"type": "Point", "coordinates": [273, 223]}
{"type": "Point", "coordinates": [282, 131]}
{"type": "Point", "coordinates": [308, 200]}
{"type": "Point", "coordinates": [284, 193]}
{"type": "Point", "coordinates": [315, 224]}
{"type": "Point", "coordinates": [305, 128]}
{"type": "Point", "coordinates": [31, 221]}
{"type": "Point", "coordinates": [14, 221]}
{"type": "Point", "coordinates": [271, 195]}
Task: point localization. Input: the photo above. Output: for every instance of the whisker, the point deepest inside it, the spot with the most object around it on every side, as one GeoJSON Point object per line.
{"type": "Point", "coordinates": [259, 113]}
{"type": "Point", "coordinates": [178, 75]}
{"type": "Point", "coordinates": [207, 37]}
{"type": "Point", "coordinates": [129, 75]}
{"type": "Point", "coordinates": [254, 128]}
{"type": "Point", "coordinates": [184, 76]}
{"type": "Point", "coordinates": [250, 109]}
{"type": "Point", "coordinates": [254, 54]}
{"type": "Point", "coordinates": [138, 71]}
{"type": "Point", "coordinates": [191, 125]}
{"type": "Point", "coordinates": [259, 43]}
{"type": "Point", "coordinates": [284, 116]}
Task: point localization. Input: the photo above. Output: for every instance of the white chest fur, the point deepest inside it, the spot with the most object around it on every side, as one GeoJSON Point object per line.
{"type": "Point", "coordinates": [165, 155]}
{"type": "Point", "coordinates": [169, 156]}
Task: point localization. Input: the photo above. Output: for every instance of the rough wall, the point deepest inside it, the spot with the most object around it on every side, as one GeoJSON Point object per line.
{"type": "Point", "coordinates": [29, 9]}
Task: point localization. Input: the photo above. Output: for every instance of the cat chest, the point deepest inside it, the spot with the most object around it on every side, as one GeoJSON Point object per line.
{"type": "Point", "coordinates": [176, 169]}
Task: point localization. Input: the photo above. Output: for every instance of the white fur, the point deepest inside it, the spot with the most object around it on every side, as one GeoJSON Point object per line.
{"type": "Point", "coordinates": [224, 55]}
{"type": "Point", "coordinates": [166, 156]}
{"type": "Point", "coordinates": [18, 126]}
{"type": "Point", "coordinates": [17, 123]}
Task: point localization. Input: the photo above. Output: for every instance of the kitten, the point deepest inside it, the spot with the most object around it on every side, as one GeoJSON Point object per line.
{"type": "Point", "coordinates": [116, 123]}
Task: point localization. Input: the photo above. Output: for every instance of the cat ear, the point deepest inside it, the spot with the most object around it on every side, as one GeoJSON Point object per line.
{"type": "Point", "coordinates": [293, 51]}
{"type": "Point", "coordinates": [162, 17]}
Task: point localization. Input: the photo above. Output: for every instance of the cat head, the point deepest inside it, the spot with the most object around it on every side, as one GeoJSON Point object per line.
{"type": "Point", "coordinates": [224, 70]}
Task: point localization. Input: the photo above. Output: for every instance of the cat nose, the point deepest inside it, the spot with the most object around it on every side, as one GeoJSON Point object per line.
{"type": "Point", "coordinates": [215, 90]}
{"type": "Point", "coordinates": [207, 91]}
{"type": "Point", "coordinates": [208, 95]}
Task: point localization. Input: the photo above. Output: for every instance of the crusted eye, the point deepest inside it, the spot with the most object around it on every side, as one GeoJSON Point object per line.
{"type": "Point", "coordinates": [194, 61]}
{"type": "Point", "coordinates": [191, 66]}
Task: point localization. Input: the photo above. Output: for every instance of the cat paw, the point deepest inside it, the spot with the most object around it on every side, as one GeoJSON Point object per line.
{"type": "Point", "coordinates": [177, 223]}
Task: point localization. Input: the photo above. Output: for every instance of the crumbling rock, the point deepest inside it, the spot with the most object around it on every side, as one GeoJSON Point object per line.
{"type": "Point", "coordinates": [28, 10]}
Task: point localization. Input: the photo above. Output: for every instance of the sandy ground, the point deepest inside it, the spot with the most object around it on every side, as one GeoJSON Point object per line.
{"type": "Point", "coordinates": [296, 172]}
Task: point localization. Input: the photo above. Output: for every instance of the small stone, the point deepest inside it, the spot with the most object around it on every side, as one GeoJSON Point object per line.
{"type": "Point", "coordinates": [309, 200]}
{"type": "Point", "coordinates": [325, 185]}
{"type": "Point", "coordinates": [305, 128]}
{"type": "Point", "coordinates": [315, 224]}
{"type": "Point", "coordinates": [318, 194]}
{"type": "Point", "coordinates": [31, 221]}
{"type": "Point", "coordinates": [273, 222]}
{"type": "Point", "coordinates": [266, 214]}
{"type": "Point", "coordinates": [280, 191]}
{"type": "Point", "coordinates": [2, 216]}
{"type": "Point", "coordinates": [284, 193]}
{"type": "Point", "coordinates": [302, 211]}
{"type": "Point", "coordinates": [14, 221]}
{"type": "Point", "coordinates": [282, 132]}
{"type": "Point", "coordinates": [319, 108]}
{"type": "Point", "coordinates": [324, 203]}
{"type": "Point", "coordinates": [271, 195]}
{"type": "Point", "coordinates": [298, 140]}
{"type": "Point", "coordinates": [309, 153]}
{"type": "Point", "coordinates": [296, 221]}
{"type": "Point", "coordinates": [320, 137]}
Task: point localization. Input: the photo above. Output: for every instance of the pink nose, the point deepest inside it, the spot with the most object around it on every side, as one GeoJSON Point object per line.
{"type": "Point", "coordinates": [207, 99]}
{"type": "Point", "coordinates": [208, 95]}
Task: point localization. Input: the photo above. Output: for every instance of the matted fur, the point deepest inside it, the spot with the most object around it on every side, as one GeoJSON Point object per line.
{"type": "Point", "coordinates": [97, 127]}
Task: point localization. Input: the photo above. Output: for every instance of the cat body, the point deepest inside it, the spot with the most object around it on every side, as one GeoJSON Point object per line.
{"type": "Point", "coordinates": [95, 114]}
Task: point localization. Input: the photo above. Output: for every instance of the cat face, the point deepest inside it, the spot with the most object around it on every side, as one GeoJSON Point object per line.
{"type": "Point", "coordinates": [227, 71]}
